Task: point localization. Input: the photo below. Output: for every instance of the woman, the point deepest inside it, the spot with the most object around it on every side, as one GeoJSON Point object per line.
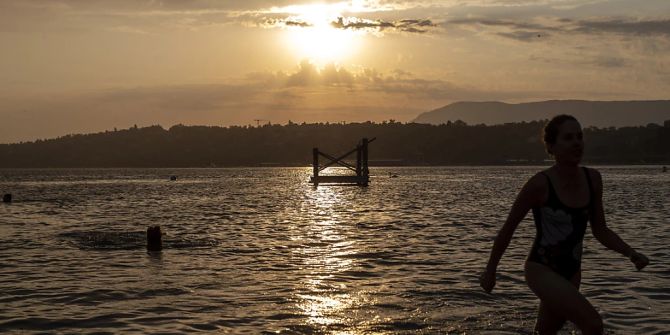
{"type": "Point", "coordinates": [563, 198]}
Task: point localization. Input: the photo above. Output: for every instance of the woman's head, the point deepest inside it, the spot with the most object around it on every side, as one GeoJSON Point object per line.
{"type": "Point", "coordinates": [563, 138]}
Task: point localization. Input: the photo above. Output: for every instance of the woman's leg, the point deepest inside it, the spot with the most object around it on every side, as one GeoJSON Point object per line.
{"type": "Point", "coordinates": [561, 300]}
{"type": "Point", "coordinates": [550, 323]}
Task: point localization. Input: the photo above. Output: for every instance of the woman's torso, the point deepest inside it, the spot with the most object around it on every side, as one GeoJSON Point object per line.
{"type": "Point", "coordinates": [560, 231]}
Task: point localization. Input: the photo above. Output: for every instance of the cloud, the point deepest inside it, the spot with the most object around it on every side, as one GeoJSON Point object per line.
{"type": "Point", "coordinates": [396, 82]}
{"type": "Point", "coordinates": [610, 62]}
{"type": "Point", "coordinates": [128, 29]}
{"type": "Point", "coordinates": [513, 19]}
{"type": "Point", "coordinates": [57, 15]}
{"type": "Point", "coordinates": [297, 23]}
{"type": "Point", "coordinates": [403, 25]}
{"type": "Point", "coordinates": [537, 30]}
{"type": "Point", "coordinates": [623, 27]}
{"type": "Point", "coordinates": [351, 23]}
{"type": "Point", "coordinates": [598, 60]}
{"type": "Point", "coordinates": [154, 6]}
{"type": "Point", "coordinates": [272, 22]}
{"type": "Point", "coordinates": [629, 26]}
{"type": "Point", "coordinates": [521, 35]}
{"type": "Point", "coordinates": [306, 94]}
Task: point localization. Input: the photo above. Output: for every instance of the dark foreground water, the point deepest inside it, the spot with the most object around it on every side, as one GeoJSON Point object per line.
{"type": "Point", "coordinates": [260, 250]}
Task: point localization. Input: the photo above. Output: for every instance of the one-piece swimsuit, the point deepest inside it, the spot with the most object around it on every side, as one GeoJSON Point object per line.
{"type": "Point", "coordinates": [560, 231]}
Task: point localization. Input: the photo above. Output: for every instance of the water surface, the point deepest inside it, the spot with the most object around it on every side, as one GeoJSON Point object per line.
{"type": "Point", "coordinates": [261, 250]}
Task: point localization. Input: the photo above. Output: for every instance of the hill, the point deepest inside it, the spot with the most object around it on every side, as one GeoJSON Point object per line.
{"type": "Point", "coordinates": [589, 113]}
{"type": "Point", "coordinates": [454, 143]}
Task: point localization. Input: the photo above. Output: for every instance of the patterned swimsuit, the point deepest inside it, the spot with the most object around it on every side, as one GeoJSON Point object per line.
{"type": "Point", "coordinates": [560, 231]}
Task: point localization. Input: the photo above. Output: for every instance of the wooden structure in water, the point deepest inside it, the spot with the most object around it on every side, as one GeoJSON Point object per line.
{"type": "Point", "coordinates": [362, 177]}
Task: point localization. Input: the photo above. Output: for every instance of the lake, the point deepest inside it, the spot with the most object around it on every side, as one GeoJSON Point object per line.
{"type": "Point", "coordinates": [260, 250]}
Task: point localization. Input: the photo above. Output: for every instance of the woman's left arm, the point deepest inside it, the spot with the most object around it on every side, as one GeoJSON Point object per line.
{"type": "Point", "coordinates": [602, 233]}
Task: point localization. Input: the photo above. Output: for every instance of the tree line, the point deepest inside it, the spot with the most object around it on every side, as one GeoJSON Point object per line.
{"type": "Point", "coordinates": [453, 143]}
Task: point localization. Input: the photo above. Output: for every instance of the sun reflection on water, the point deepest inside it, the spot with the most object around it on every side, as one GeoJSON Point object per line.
{"type": "Point", "coordinates": [320, 297]}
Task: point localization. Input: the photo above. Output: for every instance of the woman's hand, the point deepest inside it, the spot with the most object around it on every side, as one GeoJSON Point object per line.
{"type": "Point", "coordinates": [639, 260]}
{"type": "Point", "coordinates": [488, 280]}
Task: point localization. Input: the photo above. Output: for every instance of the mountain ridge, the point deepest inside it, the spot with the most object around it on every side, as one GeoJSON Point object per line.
{"type": "Point", "coordinates": [588, 112]}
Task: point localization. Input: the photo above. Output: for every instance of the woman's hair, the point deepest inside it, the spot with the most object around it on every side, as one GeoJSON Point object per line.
{"type": "Point", "coordinates": [550, 131]}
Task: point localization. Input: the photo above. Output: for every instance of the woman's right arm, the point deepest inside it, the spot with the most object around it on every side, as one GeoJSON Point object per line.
{"type": "Point", "coordinates": [532, 194]}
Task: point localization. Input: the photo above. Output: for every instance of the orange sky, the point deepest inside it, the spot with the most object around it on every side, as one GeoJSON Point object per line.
{"type": "Point", "coordinates": [73, 66]}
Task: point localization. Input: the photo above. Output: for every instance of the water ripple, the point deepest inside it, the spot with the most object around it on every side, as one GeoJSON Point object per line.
{"type": "Point", "coordinates": [261, 251]}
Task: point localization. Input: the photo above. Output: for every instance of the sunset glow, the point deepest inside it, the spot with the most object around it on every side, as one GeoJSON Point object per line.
{"type": "Point", "coordinates": [71, 66]}
{"type": "Point", "coordinates": [316, 39]}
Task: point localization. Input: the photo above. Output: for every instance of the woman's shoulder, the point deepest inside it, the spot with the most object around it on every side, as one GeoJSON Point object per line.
{"type": "Point", "coordinates": [536, 190]}
{"type": "Point", "coordinates": [592, 172]}
{"type": "Point", "coordinates": [541, 178]}
{"type": "Point", "coordinates": [538, 182]}
{"type": "Point", "coordinates": [595, 176]}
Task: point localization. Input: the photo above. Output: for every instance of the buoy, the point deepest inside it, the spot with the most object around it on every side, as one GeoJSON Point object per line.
{"type": "Point", "coordinates": [7, 198]}
{"type": "Point", "coordinates": [173, 178]}
{"type": "Point", "coordinates": [154, 239]}
{"type": "Point", "coordinates": [665, 169]}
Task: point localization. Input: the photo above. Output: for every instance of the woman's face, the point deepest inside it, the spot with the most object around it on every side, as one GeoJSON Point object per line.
{"type": "Point", "coordinates": [569, 145]}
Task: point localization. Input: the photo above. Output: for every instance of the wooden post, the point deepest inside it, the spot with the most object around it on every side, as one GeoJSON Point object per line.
{"type": "Point", "coordinates": [315, 165]}
{"type": "Point", "coordinates": [366, 171]}
{"type": "Point", "coordinates": [358, 161]}
{"type": "Point", "coordinates": [154, 238]}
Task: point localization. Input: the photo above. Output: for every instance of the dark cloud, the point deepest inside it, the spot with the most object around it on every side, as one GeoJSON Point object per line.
{"type": "Point", "coordinates": [356, 23]}
{"type": "Point", "coordinates": [516, 30]}
{"type": "Point", "coordinates": [496, 23]}
{"type": "Point", "coordinates": [523, 36]}
{"type": "Point", "coordinates": [602, 61]}
{"type": "Point", "coordinates": [275, 20]}
{"type": "Point", "coordinates": [610, 62]}
{"type": "Point", "coordinates": [282, 20]}
{"type": "Point", "coordinates": [293, 23]}
{"type": "Point", "coordinates": [154, 5]}
{"type": "Point", "coordinates": [626, 27]}
{"type": "Point", "coordinates": [420, 23]}
{"type": "Point", "coordinates": [271, 22]}
{"type": "Point", "coordinates": [405, 25]}
{"type": "Point", "coordinates": [141, 16]}
{"type": "Point", "coordinates": [544, 28]}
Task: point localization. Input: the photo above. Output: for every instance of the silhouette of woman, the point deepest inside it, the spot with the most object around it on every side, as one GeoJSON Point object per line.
{"type": "Point", "coordinates": [562, 198]}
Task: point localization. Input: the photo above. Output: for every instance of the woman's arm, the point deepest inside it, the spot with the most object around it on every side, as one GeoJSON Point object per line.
{"type": "Point", "coordinates": [602, 233]}
{"type": "Point", "coordinates": [530, 195]}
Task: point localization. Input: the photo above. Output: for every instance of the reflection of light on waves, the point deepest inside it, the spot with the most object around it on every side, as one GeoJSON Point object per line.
{"type": "Point", "coordinates": [322, 305]}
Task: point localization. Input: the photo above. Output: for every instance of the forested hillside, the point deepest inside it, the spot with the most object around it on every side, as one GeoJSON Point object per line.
{"type": "Point", "coordinates": [397, 144]}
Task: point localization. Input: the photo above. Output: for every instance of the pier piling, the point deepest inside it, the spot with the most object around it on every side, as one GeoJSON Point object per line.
{"type": "Point", "coordinates": [154, 238]}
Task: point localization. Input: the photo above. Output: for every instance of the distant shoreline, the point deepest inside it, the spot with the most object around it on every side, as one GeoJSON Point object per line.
{"type": "Point", "coordinates": [607, 165]}
{"type": "Point", "coordinates": [397, 144]}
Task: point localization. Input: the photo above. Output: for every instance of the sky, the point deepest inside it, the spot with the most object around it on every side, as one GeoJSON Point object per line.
{"type": "Point", "coordinates": [80, 66]}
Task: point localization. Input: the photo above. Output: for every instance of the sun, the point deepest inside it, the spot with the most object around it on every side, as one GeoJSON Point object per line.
{"type": "Point", "coordinates": [316, 39]}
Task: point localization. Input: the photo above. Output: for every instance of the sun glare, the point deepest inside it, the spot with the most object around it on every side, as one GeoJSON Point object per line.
{"type": "Point", "coordinates": [317, 39]}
